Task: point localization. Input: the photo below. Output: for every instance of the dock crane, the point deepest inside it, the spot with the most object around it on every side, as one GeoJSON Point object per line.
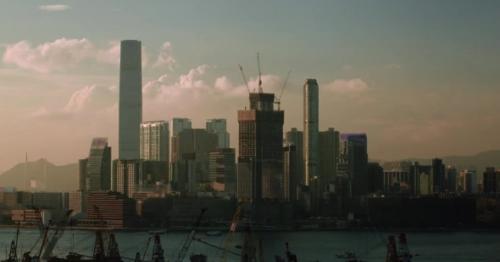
{"type": "Point", "coordinates": [59, 231]}
{"type": "Point", "coordinates": [190, 238]}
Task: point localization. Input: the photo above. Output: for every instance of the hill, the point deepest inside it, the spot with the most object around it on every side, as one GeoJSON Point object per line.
{"type": "Point", "coordinates": [477, 162]}
{"type": "Point", "coordinates": [41, 175]}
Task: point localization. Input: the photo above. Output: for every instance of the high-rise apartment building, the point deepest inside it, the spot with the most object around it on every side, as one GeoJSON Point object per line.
{"type": "Point", "coordinates": [130, 100]}
{"type": "Point", "coordinates": [154, 141]}
{"type": "Point", "coordinates": [218, 127]}
{"type": "Point", "coordinates": [311, 126]}
{"type": "Point", "coordinates": [127, 176]}
{"type": "Point", "coordinates": [260, 161]}
{"type": "Point", "coordinates": [95, 171]}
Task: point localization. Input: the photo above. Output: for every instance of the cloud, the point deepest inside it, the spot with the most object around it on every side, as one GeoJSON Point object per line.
{"type": "Point", "coordinates": [165, 57]}
{"type": "Point", "coordinates": [62, 54]}
{"type": "Point", "coordinates": [110, 55]}
{"type": "Point", "coordinates": [50, 56]}
{"type": "Point", "coordinates": [79, 99]}
{"type": "Point", "coordinates": [91, 99]}
{"type": "Point", "coordinates": [347, 86]}
{"type": "Point", "coordinates": [54, 8]}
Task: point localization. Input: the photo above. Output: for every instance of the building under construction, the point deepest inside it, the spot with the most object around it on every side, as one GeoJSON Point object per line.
{"type": "Point", "coordinates": [260, 162]}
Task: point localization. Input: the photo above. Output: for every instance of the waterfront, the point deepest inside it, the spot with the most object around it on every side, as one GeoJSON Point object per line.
{"type": "Point", "coordinates": [309, 246]}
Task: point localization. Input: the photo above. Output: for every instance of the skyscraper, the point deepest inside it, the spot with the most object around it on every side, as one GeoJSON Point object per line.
{"type": "Point", "coordinates": [260, 161]}
{"type": "Point", "coordinates": [222, 169]}
{"type": "Point", "coordinates": [291, 180]}
{"type": "Point", "coordinates": [193, 147]}
{"type": "Point", "coordinates": [438, 175]}
{"type": "Point", "coordinates": [218, 126]}
{"type": "Point", "coordinates": [130, 100]}
{"type": "Point", "coordinates": [95, 171]}
{"type": "Point", "coordinates": [178, 124]}
{"type": "Point", "coordinates": [154, 138]}
{"type": "Point", "coordinates": [328, 150]}
{"type": "Point", "coordinates": [353, 161]}
{"type": "Point", "coordinates": [296, 138]}
{"type": "Point", "coordinates": [311, 110]}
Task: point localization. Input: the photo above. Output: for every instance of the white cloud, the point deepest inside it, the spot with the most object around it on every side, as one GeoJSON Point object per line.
{"type": "Point", "coordinates": [165, 57]}
{"type": "Point", "coordinates": [62, 54]}
{"type": "Point", "coordinates": [50, 56]}
{"type": "Point", "coordinates": [110, 55]}
{"type": "Point", "coordinates": [54, 8]}
{"type": "Point", "coordinates": [347, 86]}
{"type": "Point", "coordinates": [79, 99]}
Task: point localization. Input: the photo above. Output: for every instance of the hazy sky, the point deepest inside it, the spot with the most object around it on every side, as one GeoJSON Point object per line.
{"type": "Point", "coordinates": [421, 78]}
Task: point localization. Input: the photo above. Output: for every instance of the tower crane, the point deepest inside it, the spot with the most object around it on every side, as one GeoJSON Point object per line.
{"type": "Point", "coordinates": [278, 99]}
{"type": "Point", "coordinates": [244, 79]}
{"type": "Point", "coordinates": [260, 73]}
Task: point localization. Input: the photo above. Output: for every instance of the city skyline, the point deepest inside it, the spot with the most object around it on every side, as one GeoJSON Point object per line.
{"type": "Point", "coordinates": [60, 84]}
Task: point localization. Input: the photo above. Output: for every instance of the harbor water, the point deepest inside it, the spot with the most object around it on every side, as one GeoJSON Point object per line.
{"type": "Point", "coordinates": [309, 246]}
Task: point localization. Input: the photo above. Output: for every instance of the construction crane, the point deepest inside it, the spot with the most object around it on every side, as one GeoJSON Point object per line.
{"type": "Point", "coordinates": [277, 101]}
{"type": "Point", "coordinates": [260, 73]}
{"type": "Point", "coordinates": [244, 78]}
{"type": "Point", "coordinates": [190, 238]}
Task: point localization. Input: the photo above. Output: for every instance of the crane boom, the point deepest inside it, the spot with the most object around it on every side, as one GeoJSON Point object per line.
{"type": "Point", "coordinates": [244, 78]}
{"type": "Point", "coordinates": [278, 99]}
{"type": "Point", "coordinates": [190, 238]}
{"type": "Point", "coordinates": [260, 73]}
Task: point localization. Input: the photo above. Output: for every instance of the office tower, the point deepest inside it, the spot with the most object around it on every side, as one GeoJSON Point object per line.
{"type": "Point", "coordinates": [154, 141]}
{"type": "Point", "coordinates": [178, 124]}
{"type": "Point", "coordinates": [491, 181]}
{"type": "Point", "coordinates": [127, 176]}
{"type": "Point", "coordinates": [328, 150]}
{"type": "Point", "coordinates": [260, 161]}
{"type": "Point", "coordinates": [296, 138]}
{"type": "Point", "coordinates": [95, 171]}
{"type": "Point", "coordinates": [291, 178]}
{"type": "Point", "coordinates": [130, 100]}
{"type": "Point", "coordinates": [354, 161]}
{"type": "Point", "coordinates": [311, 123]}
{"type": "Point", "coordinates": [222, 169]}
{"type": "Point", "coordinates": [438, 175]}
{"type": "Point", "coordinates": [375, 178]}
{"type": "Point", "coordinates": [421, 177]}
{"type": "Point", "coordinates": [468, 181]}
{"type": "Point", "coordinates": [218, 127]}
{"type": "Point", "coordinates": [398, 177]}
{"type": "Point", "coordinates": [193, 146]}
{"type": "Point", "coordinates": [82, 174]}
{"type": "Point", "coordinates": [451, 176]}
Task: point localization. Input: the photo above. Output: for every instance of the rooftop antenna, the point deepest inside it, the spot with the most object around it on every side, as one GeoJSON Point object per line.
{"type": "Point", "coordinates": [260, 73]}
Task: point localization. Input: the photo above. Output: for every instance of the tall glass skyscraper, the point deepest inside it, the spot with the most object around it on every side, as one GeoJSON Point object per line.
{"type": "Point", "coordinates": [130, 100]}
